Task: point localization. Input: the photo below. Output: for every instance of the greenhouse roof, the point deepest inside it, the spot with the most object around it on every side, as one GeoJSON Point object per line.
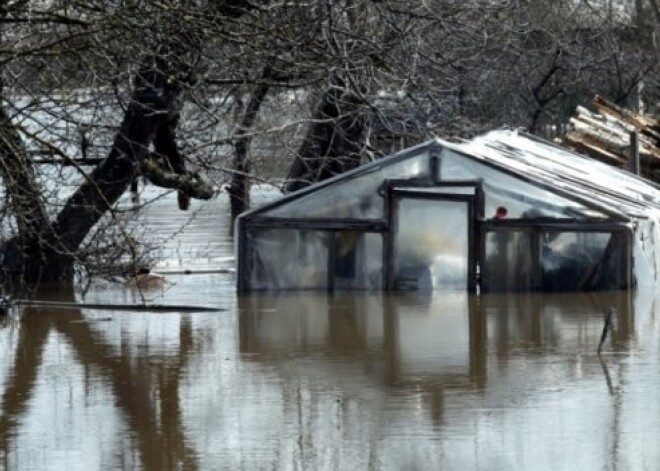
{"type": "Point", "coordinates": [575, 176]}
{"type": "Point", "coordinates": [617, 193]}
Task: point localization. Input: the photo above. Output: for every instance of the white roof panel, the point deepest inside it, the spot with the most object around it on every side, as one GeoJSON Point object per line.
{"type": "Point", "coordinates": [552, 166]}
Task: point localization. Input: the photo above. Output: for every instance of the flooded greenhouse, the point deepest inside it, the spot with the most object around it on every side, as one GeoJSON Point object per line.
{"type": "Point", "coordinates": [504, 212]}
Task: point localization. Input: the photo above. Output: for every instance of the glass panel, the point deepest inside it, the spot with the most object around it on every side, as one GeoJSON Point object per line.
{"type": "Point", "coordinates": [502, 190]}
{"type": "Point", "coordinates": [287, 259]}
{"type": "Point", "coordinates": [575, 261]}
{"type": "Point", "coordinates": [431, 244]}
{"type": "Point", "coordinates": [508, 263]}
{"type": "Point", "coordinates": [355, 197]}
{"type": "Point", "coordinates": [358, 260]}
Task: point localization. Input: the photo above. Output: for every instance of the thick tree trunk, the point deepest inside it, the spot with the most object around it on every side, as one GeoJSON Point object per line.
{"type": "Point", "coordinates": [333, 143]}
{"type": "Point", "coordinates": [33, 226]}
{"type": "Point", "coordinates": [18, 175]}
{"type": "Point", "coordinates": [51, 249]}
{"type": "Point", "coordinates": [26, 205]}
{"type": "Point", "coordinates": [239, 190]}
{"type": "Point", "coordinates": [111, 178]}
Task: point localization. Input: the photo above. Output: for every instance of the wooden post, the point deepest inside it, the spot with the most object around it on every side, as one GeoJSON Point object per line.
{"type": "Point", "coordinates": [633, 160]}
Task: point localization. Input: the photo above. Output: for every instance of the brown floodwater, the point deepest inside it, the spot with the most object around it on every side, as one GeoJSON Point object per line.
{"type": "Point", "coordinates": [303, 380]}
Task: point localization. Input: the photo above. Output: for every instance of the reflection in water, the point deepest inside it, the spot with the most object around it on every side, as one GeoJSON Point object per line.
{"type": "Point", "coordinates": [350, 381]}
{"type": "Point", "coordinates": [448, 369]}
{"type": "Point", "coordinates": [131, 383]}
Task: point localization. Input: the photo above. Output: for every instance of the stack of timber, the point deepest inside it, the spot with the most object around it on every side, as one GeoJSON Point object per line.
{"type": "Point", "coordinates": [604, 134]}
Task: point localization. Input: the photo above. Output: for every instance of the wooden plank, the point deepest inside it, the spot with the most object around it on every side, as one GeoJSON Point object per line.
{"type": "Point", "coordinates": [613, 134]}
{"type": "Point", "coordinates": [594, 148]}
{"type": "Point", "coordinates": [645, 124]}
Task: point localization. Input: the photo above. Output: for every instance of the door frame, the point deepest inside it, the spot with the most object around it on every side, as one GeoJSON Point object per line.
{"type": "Point", "coordinates": [397, 190]}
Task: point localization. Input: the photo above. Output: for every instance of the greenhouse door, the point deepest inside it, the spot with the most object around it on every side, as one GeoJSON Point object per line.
{"type": "Point", "coordinates": [431, 240]}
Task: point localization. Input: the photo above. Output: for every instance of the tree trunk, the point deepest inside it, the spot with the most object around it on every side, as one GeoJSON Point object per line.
{"type": "Point", "coordinates": [112, 177]}
{"type": "Point", "coordinates": [25, 203]}
{"type": "Point", "coordinates": [333, 143]}
{"type": "Point", "coordinates": [239, 190]}
{"type": "Point", "coordinates": [155, 100]}
{"type": "Point", "coordinates": [23, 195]}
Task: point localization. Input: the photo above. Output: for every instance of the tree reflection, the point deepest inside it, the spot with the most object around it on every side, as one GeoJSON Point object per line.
{"type": "Point", "coordinates": [146, 391]}
{"type": "Point", "coordinates": [33, 332]}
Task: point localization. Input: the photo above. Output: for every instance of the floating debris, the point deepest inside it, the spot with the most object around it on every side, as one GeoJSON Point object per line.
{"type": "Point", "coordinates": [116, 307]}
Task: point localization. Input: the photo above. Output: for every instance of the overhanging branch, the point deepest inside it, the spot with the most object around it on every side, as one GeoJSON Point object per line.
{"type": "Point", "coordinates": [190, 183]}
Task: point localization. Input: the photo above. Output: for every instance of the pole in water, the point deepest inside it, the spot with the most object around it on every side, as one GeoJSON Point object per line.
{"type": "Point", "coordinates": [606, 328]}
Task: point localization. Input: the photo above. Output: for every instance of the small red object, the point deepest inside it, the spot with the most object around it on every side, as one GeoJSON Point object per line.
{"type": "Point", "coordinates": [500, 212]}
